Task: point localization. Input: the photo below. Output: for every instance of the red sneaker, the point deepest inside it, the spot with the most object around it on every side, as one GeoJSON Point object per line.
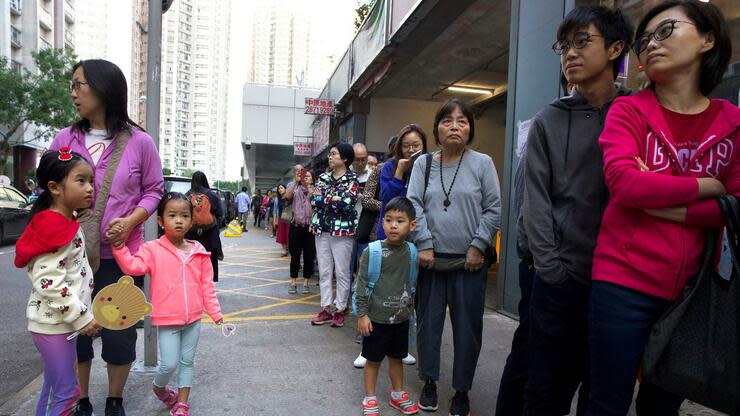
{"type": "Point", "coordinates": [337, 320]}
{"type": "Point", "coordinates": [370, 408]}
{"type": "Point", "coordinates": [322, 318]}
{"type": "Point", "coordinates": [405, 405]}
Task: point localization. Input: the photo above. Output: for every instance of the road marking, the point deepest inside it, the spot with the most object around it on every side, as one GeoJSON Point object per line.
{"type": "Point", "coordinates": [261, 318]}
{"type": "Point", "coordinates": [264, 307]}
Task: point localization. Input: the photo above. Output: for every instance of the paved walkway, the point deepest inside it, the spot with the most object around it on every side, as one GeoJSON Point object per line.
{"type": "Point", "coordinates": [277, 363]}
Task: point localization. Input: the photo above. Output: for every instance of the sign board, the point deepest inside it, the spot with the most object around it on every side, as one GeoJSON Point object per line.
{"type": "Point", "coordinates": [302, 149]}
{"type": "Point", "coordinates": [321, 135]}
{"type": "Point", "coordinates": [319, 106]}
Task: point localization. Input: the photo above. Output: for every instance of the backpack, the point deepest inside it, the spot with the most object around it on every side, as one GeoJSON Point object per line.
{"type": "Point", "coordinates": [375, 259]}
{"type": "Point", "coordinates": [202, 216]}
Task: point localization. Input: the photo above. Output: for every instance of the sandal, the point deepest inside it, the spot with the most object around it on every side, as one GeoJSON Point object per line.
{"type": "Point", "coordinates": [168, 397]}
{"type": "Point", "coordinates": [183, 408]}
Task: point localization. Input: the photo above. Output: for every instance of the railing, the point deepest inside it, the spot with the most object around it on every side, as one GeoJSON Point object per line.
{"type": "Point", "coordinates": [15, 37]}
{"type": "Point", "coordinates": [69, 38]}
{"type": "Point", "coordinates": [16, 7]}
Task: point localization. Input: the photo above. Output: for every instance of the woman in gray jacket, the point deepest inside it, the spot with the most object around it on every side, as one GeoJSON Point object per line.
{"type": "Point", "coordinates": [458, 210]}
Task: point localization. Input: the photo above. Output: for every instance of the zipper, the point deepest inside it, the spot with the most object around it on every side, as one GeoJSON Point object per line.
{"type": "Point", "coordinates": [185, 289]}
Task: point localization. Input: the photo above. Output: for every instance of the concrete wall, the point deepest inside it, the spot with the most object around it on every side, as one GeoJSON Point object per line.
{"type": "Point", "coordinates": [388, 115]}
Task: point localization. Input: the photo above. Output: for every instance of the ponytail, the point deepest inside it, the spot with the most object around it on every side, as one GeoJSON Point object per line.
{"type": "Point", "coordinates": [43, 202]}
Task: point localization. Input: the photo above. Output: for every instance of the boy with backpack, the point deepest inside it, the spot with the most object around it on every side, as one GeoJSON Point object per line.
{"type": "Point", "coordinates": [383, 301]}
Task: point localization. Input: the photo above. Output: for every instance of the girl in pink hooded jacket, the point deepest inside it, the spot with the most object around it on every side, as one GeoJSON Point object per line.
{"type": "Point", "coordinates": [181, 289]}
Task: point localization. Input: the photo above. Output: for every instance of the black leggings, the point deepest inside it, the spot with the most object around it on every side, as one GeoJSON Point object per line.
{"type": "Point", "coordinates": [300, 240]}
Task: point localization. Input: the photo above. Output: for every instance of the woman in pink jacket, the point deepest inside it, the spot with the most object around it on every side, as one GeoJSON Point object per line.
{"type": "Point", "coordinates": [668, 151]}
{"type": "Point", "coordinates": [181, 289]}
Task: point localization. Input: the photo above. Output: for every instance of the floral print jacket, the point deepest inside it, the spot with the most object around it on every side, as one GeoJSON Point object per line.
{"type": "Point", "coordinates": [335, 216]}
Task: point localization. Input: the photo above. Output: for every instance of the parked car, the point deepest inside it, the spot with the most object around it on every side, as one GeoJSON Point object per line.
{"type": "Point", "coordinates": [224, 206]}
{"type": "Point", "coordinates": [231, 204]}
{"type": "Point", "coordinates": [176, 184]}
{"type": "Point", "coordinates": [14, 210]}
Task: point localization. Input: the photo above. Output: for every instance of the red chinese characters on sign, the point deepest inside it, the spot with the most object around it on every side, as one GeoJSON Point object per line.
{"type": "Point", "coordinates": [319, 106]}
{"type": "Point", "coordinates": [303, 149]}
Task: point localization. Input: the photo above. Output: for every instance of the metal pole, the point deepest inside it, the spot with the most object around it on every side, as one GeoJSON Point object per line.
{"type": "Point", "coordinates": [153, 69]}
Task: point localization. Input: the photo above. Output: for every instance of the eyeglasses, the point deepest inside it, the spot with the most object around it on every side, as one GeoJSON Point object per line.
{"type": "Point", "coordinates": [580, 40]}
{"type": "Point", "coordinates": [333, 154]}
{"type": "Point", "coordinates": [411, 146]}
{"type": "Point", "coordinates": [75, 85]}
{"type": "Point", "coordinates": [662, 32]}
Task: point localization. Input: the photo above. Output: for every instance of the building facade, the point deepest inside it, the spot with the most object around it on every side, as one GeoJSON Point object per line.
{"type": "Point", "coordinates": [194, 85]}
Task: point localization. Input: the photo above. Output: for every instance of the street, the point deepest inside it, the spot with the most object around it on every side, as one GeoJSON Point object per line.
{"type": "Point", "coordinates": [19, 363]}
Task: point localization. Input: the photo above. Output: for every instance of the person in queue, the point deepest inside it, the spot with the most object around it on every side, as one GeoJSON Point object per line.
{"type": "Point", "coordinates": [99, 92]}
{"type": "Point", "coordinates": [333, 199]}
{"type": "Point", "coordinates": [458, 212]}
{"type": "Point", "coordinates": [667, 156]}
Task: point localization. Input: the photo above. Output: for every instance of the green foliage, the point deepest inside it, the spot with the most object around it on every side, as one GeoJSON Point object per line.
{"type": "Point", "coordinates": [166, 171]}
{"type": "Point", "coordinates": [362, 10]}
{"type": "Point", "coordinates": [41, 99]}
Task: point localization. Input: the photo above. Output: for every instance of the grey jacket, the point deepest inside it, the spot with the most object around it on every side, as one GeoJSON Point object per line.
{"type": "Point", "coordinates": [565, 194]}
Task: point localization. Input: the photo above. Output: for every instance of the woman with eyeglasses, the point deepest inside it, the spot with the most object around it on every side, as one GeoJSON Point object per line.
{"type": "Point", "coordinates": [99, 93]}
{"type": "Point", "coordinates": [668, 151]}
{"type": "Point", "coordinates": [334, 221]}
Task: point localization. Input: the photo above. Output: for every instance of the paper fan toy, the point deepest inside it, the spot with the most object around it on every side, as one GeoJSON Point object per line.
{"type": "Point", "coordinates": [120, 305]}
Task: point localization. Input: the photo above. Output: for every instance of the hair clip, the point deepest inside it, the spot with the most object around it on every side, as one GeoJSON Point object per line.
{"type": "Point", "coordinates": [65, 154]}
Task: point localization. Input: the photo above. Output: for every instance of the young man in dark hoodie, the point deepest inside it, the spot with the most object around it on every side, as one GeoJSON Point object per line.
{"type": "Point", "coordinates": [564, 198]}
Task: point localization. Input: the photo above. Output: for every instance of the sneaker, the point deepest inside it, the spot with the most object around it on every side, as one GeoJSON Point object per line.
{"type": "Point", "coordinates": [293, 290]}
{"type": "Point", "coordinates": [168, 397]}
{"type": "Point", "coordinates": [460, 405]}
{"type": "Point", "coordinates": [409, 360]}
{"type": "Point", "coordinates": [180, 409]}
{"type": "Point", "coordinates": [370, 408]}
{"type": "Point", "coordinates": [360, 361]}
{"type": "Point", "coordinates": [337, 321]}
{"type": "Point", "coordinates": [306, 290]}
{"type": "Point", "coordinates": [428, 398]}
{"type": "Point", "coordinates": [114, 407]}
{"type": "Point", "coordinates": [358, 339]}
{"type": "Point", "coordinates": [404, 404]}
{"type": "Point", "coordinates": [83, 408]}
{"type": "Point", "coordinates": [322, 318]}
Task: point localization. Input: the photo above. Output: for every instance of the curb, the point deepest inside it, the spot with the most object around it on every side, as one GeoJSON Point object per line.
{"type": "Point", "coordinates": [31, 390]}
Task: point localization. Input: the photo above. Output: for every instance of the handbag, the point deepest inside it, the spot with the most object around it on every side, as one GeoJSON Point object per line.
{"type": "Point", "coordinates": [90, 219]}
{"type": "Point", "coordinates": [287, 214]}
{"type": "Point", "coordinates": [693, 348]}
{"type": "Point", "coordinates": [368, 220]}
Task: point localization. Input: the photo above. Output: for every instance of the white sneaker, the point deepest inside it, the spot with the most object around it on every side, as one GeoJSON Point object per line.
{"type": "Point", "coordinates": [360, 361]}
{"type": "Point", "coordinates": [409, 360]}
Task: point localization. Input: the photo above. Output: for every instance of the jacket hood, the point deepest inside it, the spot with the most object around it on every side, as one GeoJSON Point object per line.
{"type": "Point", "coordinates": [576, 101]}
{"type": "Point", "coordinates": [726, 122]}
{"type": "Point", "coordinates": [45, 233]}
{"type": "Point", "coordinates": [198, 248]}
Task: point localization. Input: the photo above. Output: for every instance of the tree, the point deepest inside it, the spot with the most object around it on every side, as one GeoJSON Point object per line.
{"type": "Point", "coordinates": [41, 100]}
{"type": "Point", "coordinates": [166, 171]}
{"type": "Point", "coordinates": [362, 10]}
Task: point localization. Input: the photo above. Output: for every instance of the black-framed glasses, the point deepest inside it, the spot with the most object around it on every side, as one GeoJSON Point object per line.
{"type": "Point", "coordinates": [76, 85]}
{"type": "Point", "coordinates": [662, 32]}
{"type": "Point", "coordinates": [580, 40]}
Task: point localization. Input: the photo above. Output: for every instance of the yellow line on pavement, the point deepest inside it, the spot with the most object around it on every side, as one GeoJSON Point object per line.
{"type": "Point", "coordinates": [261, 318]}
{"type": "Point", "coordinates": [261, 308]}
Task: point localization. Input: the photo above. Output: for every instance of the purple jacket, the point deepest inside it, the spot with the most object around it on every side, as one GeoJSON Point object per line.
{"type": "Point", "coordinates": [138, 180]}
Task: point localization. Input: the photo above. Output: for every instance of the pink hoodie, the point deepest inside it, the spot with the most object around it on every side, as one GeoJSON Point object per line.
{"type": "Point", "coordinates": [180, 290]}
{"type": "Point", "coordinates": [634, 249]}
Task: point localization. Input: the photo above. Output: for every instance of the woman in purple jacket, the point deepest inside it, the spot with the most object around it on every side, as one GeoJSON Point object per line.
{"type": "Point", "coordinates": [395, 174]}
{"type": "Point", "coordinates": [99, 93]}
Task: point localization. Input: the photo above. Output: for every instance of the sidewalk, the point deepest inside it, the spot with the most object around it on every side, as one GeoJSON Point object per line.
{"type": "Point", "coordinates": [277, 363]}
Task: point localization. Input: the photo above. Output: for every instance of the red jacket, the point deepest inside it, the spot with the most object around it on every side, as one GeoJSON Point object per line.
{"type": "Point", "coordinates": [181, 290]}
{"type": "Point", "coordinates": [634, 249]}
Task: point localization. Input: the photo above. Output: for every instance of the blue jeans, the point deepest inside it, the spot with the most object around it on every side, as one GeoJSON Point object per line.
{"type": "Point", "coordinates": [558, 347]}
{"type": "Point", "coordinates": [177, 345]}
{"type": "Point", "coordinates": [511, 390]}
{"type": "Point", "coordinates": [619, 324]}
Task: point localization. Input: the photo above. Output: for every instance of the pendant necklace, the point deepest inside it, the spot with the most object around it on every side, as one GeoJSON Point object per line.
{"type": "Point", "coordinates": [448, 192]}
